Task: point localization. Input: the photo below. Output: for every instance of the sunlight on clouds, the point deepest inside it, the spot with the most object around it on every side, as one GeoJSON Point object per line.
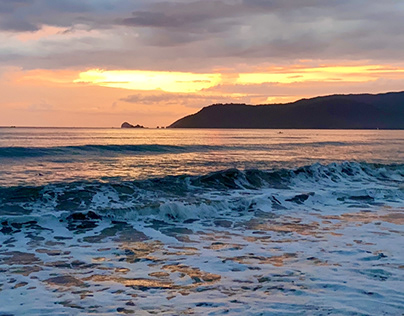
{"type": "Point", "coordinates": [187, 82]}
{"type": "Point", "coordinates": [150, 80]}
{"type": "Point", "coordinates": [325, 74]}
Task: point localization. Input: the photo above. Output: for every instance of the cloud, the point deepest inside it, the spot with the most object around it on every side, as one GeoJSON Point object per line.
{"type": "Point", "coordinates": [189, 100]}
{"type": "Point", "coordinates": [189, 35]}
{"type": "Point", "coordinates": [32, 15]}
{"type": "Point", "coordinates": [9, 6]}
{"type": "Point", "coordinates": [286, 92]}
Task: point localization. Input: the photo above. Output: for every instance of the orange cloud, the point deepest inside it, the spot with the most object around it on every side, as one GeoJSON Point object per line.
{"type": "Point", "coordinates": [149, 80]}
{"type": "Point", "coordinates": [323, 73]}
{"type": "Point", "coordinates": [185, 82]}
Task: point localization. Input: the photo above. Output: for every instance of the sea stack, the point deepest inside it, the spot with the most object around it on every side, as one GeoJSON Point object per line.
{"type": "Point", "coordinates": [128, 125]}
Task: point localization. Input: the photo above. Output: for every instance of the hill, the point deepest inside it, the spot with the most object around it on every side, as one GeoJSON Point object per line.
{"type": "Point", "coordinates": [353, 111]}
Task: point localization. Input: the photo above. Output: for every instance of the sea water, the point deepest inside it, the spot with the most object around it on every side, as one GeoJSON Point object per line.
{"type": "Point", "coordinates": [204, 222]}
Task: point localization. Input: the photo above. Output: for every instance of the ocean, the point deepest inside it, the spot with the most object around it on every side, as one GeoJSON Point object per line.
{"type": "Point", "coordinates": [201, 221]}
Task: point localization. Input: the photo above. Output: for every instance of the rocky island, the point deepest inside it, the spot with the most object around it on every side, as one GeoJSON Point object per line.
{"type": "Point", "coordinates": [128, 125]}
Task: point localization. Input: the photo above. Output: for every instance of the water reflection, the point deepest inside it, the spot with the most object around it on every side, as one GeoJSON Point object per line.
{"type": "Point", "coordinates": [193, 151]}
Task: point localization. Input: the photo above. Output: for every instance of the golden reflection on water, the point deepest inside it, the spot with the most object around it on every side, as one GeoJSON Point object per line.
{"type": "Point", "coordinates": [191, 151]}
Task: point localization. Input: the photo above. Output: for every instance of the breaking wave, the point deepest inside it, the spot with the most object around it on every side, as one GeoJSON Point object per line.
{"type": "Point", "coordinates": [233, 192]}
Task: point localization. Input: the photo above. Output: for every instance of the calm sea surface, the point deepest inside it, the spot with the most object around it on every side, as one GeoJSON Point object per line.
{"type": "Point", "coordinates": [204, 221]}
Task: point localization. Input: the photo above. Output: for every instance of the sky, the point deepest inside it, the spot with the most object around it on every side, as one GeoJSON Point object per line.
{"type": "Point", "coordinates": [98, 63]}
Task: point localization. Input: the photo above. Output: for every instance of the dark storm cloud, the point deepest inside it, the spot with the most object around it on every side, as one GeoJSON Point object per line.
{"type": "Point", "coordinates": [204, 33]}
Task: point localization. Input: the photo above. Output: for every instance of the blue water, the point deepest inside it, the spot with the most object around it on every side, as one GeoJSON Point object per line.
{"type": "Point", "coordinates": [257, 222]}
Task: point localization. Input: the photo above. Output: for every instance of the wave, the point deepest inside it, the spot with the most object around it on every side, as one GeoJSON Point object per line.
{"type": "Point", "coordinates": [34, 152]}
{"type": "Point", "coordinates": [21, 152]}
{"type": "Point", "coordinates": [180, 198]}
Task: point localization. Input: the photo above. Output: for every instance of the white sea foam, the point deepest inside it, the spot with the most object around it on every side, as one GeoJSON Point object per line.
{"type": "Point", "coordinates": [274, 240]}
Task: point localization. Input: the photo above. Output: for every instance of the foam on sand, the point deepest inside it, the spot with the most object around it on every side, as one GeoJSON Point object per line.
{"type": "Point", "coordinates": [312, 240]}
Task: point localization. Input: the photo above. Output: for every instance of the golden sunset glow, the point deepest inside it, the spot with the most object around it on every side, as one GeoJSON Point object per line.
{"type": "Point", "coordinates": [42, 76]}
{"type": "Point", "coordinates": [60, 59]}
{"type": "Point", "coordinates": [201, 157]}
{"type": "Point", "coordinates": [150, 80]}
{"type": "Point", "coordinates": [160, 97]}
{"type": "Point", "coordinates": [324, 74]}
{"type": "Point", "coordinates": [186, 82]}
